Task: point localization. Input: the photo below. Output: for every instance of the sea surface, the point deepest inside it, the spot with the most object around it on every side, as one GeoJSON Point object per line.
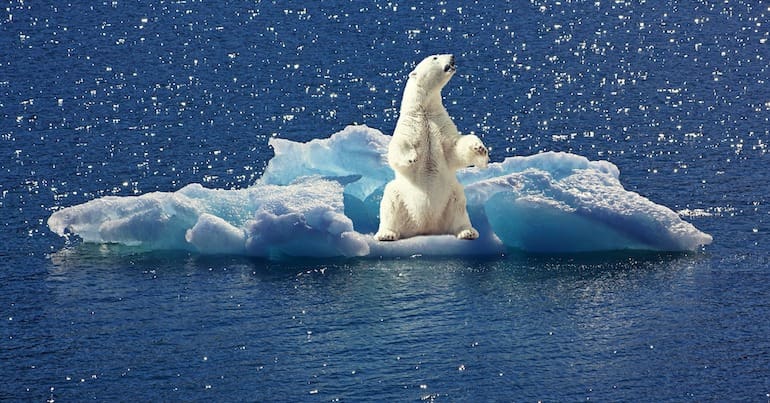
{"type": "Point", "coordinates": [124, 98]}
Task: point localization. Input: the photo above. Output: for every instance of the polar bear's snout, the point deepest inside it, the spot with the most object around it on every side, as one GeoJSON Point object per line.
{"type": "Point", "coordinates": [451, 65]}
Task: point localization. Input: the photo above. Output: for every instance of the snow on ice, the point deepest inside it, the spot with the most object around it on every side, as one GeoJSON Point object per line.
{"type": "Point", "coordinates": [321, 199]}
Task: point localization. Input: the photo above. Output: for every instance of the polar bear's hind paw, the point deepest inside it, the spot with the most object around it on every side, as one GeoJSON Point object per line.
{"type": "Point", "coordinates": [468, 234]}
{"type": "Point", "coordinates": [386, 235]}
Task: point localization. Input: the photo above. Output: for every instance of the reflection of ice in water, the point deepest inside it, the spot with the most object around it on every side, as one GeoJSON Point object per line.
{"type": "Point", "coordinates": [320, 199]}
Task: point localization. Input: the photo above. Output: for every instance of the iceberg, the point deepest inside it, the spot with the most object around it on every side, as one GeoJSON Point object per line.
{"type": "Point", "coordinates": [321, 199]}
{"type": "Point", "coordinates": [302, 219]}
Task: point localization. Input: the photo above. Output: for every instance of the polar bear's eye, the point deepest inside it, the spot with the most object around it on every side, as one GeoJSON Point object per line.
{"type": "Point", "coordinates": [435, 57]}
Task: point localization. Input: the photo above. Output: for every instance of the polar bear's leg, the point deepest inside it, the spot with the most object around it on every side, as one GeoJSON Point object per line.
{"type": "Point", "coordinates": [469, 150]}
{"type": "Point", "coordinates": [391, 214]}
{"type": "Point", "coordinates": [460, 225]}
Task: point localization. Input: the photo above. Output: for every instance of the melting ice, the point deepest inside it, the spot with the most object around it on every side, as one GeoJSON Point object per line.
{"type": "Point", "coordinates": [321, 199]}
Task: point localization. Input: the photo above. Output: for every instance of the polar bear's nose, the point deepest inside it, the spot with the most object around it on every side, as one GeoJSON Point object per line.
{"type": "Point", "coordinates": [451, 65]}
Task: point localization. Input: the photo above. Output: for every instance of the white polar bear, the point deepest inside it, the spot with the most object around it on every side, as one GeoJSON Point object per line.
{"type": "Point", "coordinates": [425, 198]}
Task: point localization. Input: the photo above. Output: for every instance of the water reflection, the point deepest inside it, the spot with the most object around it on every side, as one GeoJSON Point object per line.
{"type": "Point", "coordinates": [421, 325]}
{"type": "Point", "coordinates": [521, 267]}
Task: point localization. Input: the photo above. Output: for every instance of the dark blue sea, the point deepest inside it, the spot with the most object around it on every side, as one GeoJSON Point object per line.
{"type": "Point", "coordinates": [123, 98]}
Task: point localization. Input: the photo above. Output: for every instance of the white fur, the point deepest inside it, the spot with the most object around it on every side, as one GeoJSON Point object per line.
{"type": "Point", "coordinates": [426, 150]}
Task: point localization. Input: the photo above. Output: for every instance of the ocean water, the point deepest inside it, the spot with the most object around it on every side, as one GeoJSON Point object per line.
{"type": "Point", "coordinates": [126, 98]}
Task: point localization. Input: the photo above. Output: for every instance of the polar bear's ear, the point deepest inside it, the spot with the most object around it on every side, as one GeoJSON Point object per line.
{"type": "Point", "coordinates": [413, 73]}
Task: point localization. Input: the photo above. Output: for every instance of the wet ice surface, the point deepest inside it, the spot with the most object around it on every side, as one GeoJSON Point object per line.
{"type": "Point", "coordinates": [119, 99]}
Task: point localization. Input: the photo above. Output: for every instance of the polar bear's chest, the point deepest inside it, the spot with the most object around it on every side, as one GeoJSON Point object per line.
{"type": "Point", "coordinates": [434, 161]}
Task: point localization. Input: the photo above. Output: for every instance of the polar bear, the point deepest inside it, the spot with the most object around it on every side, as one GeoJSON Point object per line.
{"type": "Point", "coordinates": [425, 198]}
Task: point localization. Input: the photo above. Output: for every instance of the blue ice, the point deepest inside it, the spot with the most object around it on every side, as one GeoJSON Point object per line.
{"type": "Point", "coordinates": [321, 199]}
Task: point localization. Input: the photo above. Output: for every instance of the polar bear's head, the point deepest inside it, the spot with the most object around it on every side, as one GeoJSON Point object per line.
{"type": "Point", "coordinates": [433, 72]}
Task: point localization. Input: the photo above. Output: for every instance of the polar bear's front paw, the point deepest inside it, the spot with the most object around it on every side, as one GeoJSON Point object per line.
{"type": "Point", "coordinates": [480, 154]}
{"type": "Point", "coordinates": [386, 235]}
{"type": "Point", "coordinates": [479, 149]}
{"type": "Point", "coordinates": [471, 151]}
{"type": "Point", "coordinates": [408, 159]}
{"type": "Point", "coordinates": [411, 157]}
{"type": "Point", "coordinates": [468, 234]}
